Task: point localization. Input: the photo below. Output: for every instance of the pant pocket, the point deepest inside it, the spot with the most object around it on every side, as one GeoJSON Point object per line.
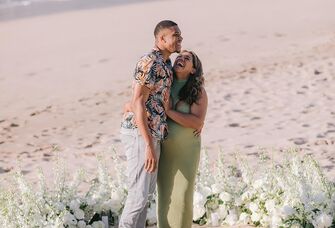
{"type": "Point", "coordinates": [129, 141]}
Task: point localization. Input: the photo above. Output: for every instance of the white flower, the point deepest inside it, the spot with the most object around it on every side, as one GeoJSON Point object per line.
{"type": "Point", "coordinates": [231, 218]}
{"type": "Point", "coordinates": [287, 211]}
{"type": "Point", "coordinates": [59, 206]}
{"type": "Point", "coordinates": [276, 220]}
{"type": "Point", "coordinates": [89, 226]}
{"type": "Point", "coordinates": [151, 216]}
{"type": "Point", "coordinates": [225, 196]}
{"type": "Point", "coordinates": [206, 191]}
{"type": "Point", "coordinates": [222, 211]}
{"type": "Point", "coordinates": [246, 195]}
{"type": "Point", "coordinates": [255, 217]}
{"type": "Point", "coordinates": [238, 201]}
{"type": "Point", "coordinates": [216, 188]}
{"type": "Point", "coordinates": [74, 204]}
{"type": "Point", "coordinates": [81, 224]}
{"type": "Point", "coordinates": [319, 198]}
{"type": "Point", "coordinates": [270, 205]}
{"type": "Point", "coordinates": [198, 212]}
{"type": "Point", "coordinates": [244, 218]}
{"type": "Point", "coordinates": [90, 202]}
{"type": "Point", "coordinates": [69, 219]}
{"type": "Point", "coordinates": [198, 199]}
{"type": "Point", "coordinates": [323, 221]}
{"type": "Point", "coordinates": [215, 219]}
{"type": "Point", "coordinates": [258, 183]}
{"type": "Point", "coordinates": [79, 214]}
{"type": "Point", "coordinates": [253, 207]}
{"type": "Point", "coordinates": [98, 224]}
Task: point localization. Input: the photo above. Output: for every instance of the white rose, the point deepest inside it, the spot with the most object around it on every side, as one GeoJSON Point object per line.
{"type": "Point", "coordinates": [270, 205]}
{"type": "Point", "coordinates": [319, 198]}
{"type": "Point", "coordinates": [222, 211]}
{"type": "Point", "coordinates": [98, 224]}
{"type": "Point", "coordinates": [151, 215]}
{"type": "Point", "coordinates": [244, 218]}
{"type": "Point", "coordinates": [231, 218]}
{"type": "Point", "coordinates": [79, 214]}
{"type": "Point", "coordinates": [276, 221]}
{"type": "Point", "coordinates": [253, 207]}
{"type": "Point", "coordinates": [287, 211]}
{"type": "Point", "coordinates": [255, 217]}
{"type": "Point", "coordinates": [216, 188]}
{"type": "Point", "coordinates": [59, 206]}
{"type": "Point", "coordinates": [74, 204]}
{"type": "Point", "coordinates": [258, 183]}
{"type": "Point", "coordinates": [323, 221]}
{"type": "Point", "coordinates": [206, 191]}
{"type": "Point", "coordinates": [69, 219]}
{"type": "Point", "coordinates": [89, 226]}
{"type": "Point", "coordinates": [225, 196]}
{"type": "Point", "coordinates": [198, 199]}
{"type": "Point", "coordinates": [215, 219]}
{"type": "Point", "coordinates": [245, 196]}
{"type": "Point", "coordinates": [198, 212]}
{"type": "Point", "coordinates": [238, 201]}
{"type": "Point", "coordinates": [81, 224]}
{"type": "Point", "coordinates": [91, 202]}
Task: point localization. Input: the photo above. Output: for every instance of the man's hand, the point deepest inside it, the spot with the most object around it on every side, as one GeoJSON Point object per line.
{"type": "Point", "coordinates": [167, 105]}
{"type": "Point", "coordinates": [150, 163]}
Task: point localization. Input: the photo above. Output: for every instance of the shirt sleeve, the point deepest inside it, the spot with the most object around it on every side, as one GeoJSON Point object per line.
{"type": "Point", "coordinates": [145, 72]}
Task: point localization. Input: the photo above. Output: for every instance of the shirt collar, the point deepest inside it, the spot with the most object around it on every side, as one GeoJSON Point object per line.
{"type": "Point", "coordinates": [159, 55]}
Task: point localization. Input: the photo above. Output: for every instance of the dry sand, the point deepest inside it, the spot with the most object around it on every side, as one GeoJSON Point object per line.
{"type": "Point", "coordinates": [269, 68]}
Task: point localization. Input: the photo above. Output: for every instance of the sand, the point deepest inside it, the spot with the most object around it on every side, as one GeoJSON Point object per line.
{"type": "Point", "coordinates": [269, 69]}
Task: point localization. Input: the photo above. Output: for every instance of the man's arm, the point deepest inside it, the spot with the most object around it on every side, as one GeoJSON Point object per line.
{"type": "Point", "coordinates": [141, 94]}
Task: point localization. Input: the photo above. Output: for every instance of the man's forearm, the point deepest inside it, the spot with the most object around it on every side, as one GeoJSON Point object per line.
{"type": "Point", "coordinates": [188, 120]}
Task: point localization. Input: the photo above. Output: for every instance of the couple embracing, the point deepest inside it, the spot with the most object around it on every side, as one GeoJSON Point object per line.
{"type": "Point", "coordinates": [161, 132]}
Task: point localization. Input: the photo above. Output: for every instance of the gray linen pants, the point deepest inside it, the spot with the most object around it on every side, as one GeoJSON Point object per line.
{"type": "Point", "coordinates": [141, 184]}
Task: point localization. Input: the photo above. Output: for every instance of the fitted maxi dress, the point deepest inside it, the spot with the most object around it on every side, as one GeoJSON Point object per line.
{"type": "Point", "coordinates": [177, 169]}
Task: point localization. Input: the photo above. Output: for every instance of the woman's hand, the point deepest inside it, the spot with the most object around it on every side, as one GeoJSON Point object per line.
{"type": "Point", "coordinates": [197, 132]}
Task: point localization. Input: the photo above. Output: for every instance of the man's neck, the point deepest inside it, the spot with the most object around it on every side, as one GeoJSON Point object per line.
{"type": "Point", "coordinates": [165, 53]}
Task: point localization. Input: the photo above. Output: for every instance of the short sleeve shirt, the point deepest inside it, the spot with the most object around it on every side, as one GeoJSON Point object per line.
{"type": "Point", "coordinates": [151, 71]}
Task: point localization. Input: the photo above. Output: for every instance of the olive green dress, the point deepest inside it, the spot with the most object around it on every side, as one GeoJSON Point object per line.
{"type": "Point", "coordinates": [177, 170]}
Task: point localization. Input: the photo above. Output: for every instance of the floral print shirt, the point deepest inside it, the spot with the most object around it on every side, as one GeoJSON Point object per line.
{"type": "Point", "coordinates": [151, 71]}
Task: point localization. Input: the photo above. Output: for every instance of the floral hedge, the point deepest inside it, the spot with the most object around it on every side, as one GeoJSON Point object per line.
{"type": "Point", "coordinates": [294, 193]}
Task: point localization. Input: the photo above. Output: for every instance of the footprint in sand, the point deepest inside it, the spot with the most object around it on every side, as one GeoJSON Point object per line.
{"type": "Point", "coordinates": [223, 39]}
{"type": "Point", "coordinates": [104, 60]}
{"type": "Point", "coordinates": [5, 170]}
{"type": "Point", "coordinates": [279, 35]}
{"type": "Point", "coordinates": [85, 65]}
{"type": "Point", "coordinates": [298, 141]}
{"type": "Point", "coordinates": [30, 74]}
{"type": "Point", "coordinates": [328, 167]}
{"type": "Point", "coordinates": [234, 125]}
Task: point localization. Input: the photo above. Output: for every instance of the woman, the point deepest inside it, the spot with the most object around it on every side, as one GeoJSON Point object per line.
{"type": "Point", "coordinates": [180, 153]}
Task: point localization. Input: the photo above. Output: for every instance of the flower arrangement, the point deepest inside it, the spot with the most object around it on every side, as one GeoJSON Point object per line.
{"type": "Point", "coordinates": [292, 194]}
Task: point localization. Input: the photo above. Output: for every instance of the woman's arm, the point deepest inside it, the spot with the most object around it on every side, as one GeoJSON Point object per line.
{"type": "Point", "coordinates": [195, 119]}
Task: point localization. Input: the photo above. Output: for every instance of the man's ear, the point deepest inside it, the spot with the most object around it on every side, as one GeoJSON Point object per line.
{"type": "Point", "coordinates": [162, 38]}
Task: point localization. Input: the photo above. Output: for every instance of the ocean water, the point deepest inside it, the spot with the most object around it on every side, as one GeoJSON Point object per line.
{"type": "Point", "coordinates": [15, 9]}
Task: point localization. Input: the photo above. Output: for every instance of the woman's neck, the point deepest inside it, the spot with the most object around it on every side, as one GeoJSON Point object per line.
{"type": "Point", "coordinates": [181, 77]}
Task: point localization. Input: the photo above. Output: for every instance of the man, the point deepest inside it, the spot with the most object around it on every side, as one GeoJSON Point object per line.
{"type": "Point", "coordinates": [143, 129]}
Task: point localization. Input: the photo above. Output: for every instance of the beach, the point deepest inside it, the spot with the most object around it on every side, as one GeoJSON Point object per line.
{"type": "Point", "coordinates": [269, 70]}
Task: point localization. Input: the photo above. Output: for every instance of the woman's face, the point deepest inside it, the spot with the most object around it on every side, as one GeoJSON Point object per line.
{"type": "Point", "coordinates": [183, 65]}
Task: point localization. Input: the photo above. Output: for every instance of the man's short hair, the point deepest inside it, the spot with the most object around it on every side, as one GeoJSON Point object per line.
{"type": "Point", "coordinates": [163, 25]}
